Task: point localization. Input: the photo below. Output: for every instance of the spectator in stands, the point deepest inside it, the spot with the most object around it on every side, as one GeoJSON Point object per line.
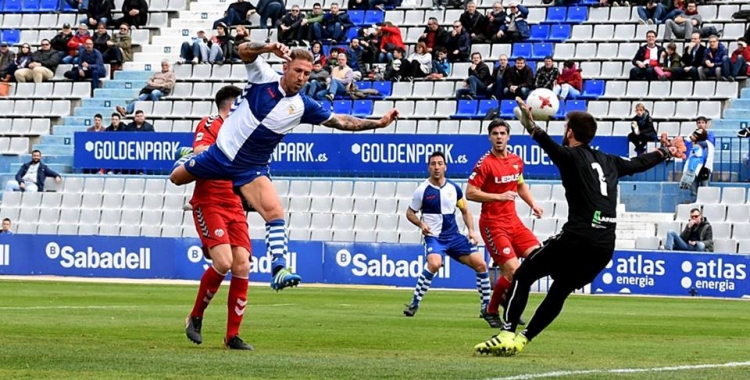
{"type": "Point", "coordinates": [441, 67]}
{"type": "Point", "coordinates": [100, 38]}
{"type": "Point", "coordinates": [518, 80]}
{"type": "Point", "coordinates": [236, 14]}
{"type": "Point", "coordinates": [738, 65]}
{"type": "Point", "coordinates": [381, 4]}
{"type": "Point", "coordinates": [222, 46]}
{"type": "Point", "coordinates": [700, 162]}
{"type": "Point", "coordinates": [358, 5]}
{"type": "Point", "coordinates": [318, 54]}
{"type": "Point", "coordinates": [642, 129]}
{"type": "Point", "coordinates": [547, 75]}
{"type": "Point", "coordinates": [477, 81]}
{"type": "Point", "coordinates": [31, 175]}
{"type": "Point", "coordinates": [98, 12]}
{"type": "Point", "coordinates": [334, 25]}
{"type": "Point", "coordinates": [697, 236]}
{"type": "Point", "coordinates": [692, 59]}
{"type": "Point", "coordinates": [390, 39]}
{"type": "Point", "coordinates": [80, 5]}
{"type": "Point", "coordinates": [139, 124]}
{"type": "Point", "coordinates": [43, 64]}
{"type": "Point", "coordinates": [90, 66]}
{"type": "Point", "coordinates": [495, 22]}
{"type": "Point", "coordinates": [355, 58]}
{"type": "Point", "coordinates": [676, 8]}
{"type": "Point", "coordinates": [76, 44]}
{"type": "Point", "coordinates": [97, 127]}
{"type": "Point", "coordinates": [713, 58]}
{"type": "Point", "coordinates": [458, 44]}
{"type": "Point", "coordinates": [332, 61]}
{"type": "Point", "coordinates": [241, 36]}
{"type": "Point", "coordinates": [398, 68]}
{"type": "Point", "coordinates": [496, 88]}
{"type": "Point", "coordinates": [290, 27]}
{"type": "Point", "coordinates": [370, 42]}
{"type": "Point", "coordinates": [7, 57]}
{"type": "Point", "coordinates": [516, 27]}
{"type": "Point", "coordinates": [652, 12]}
{"type": "Point", "coordinates": [272, 9]}
{"type": "Point", "coordinates": [160, 84]}
{"type": "Point", "coordinates": [569, 84]}
{"type": "Point", "coordinates": [670, 62]}
{"type": "Point", "coordinates": [434, 35]}
{"type": "Point", "coordinates": [135, 14]}
{"type": "Point", "coordinates": [682, 26]}
{"type": "Point", "coordinates": [115, 125]}
{"type": "Point", "coordinates": [317, 83]}
{"type": "Point", "coordinates": [473, 21]}
{"type": "Point", "coordinates": [308, 23]}
{"type": "Point", "coordinates": [6, 227]}
{"type": "Point", "coordinates": [60, 41]}
{"type": "Point", "coordinates": [609, 3]}
{"type": "Point", "coordinates": [421, 61]}
{"type": "Point", "coordinates": [341, 78]}
{"type": "Point", "coordinates": [646, 58]}
{"type": "Point", "coordinates": [22, 61]}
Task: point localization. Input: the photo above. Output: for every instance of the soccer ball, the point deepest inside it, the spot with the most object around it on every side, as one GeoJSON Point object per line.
{"type": "Point", "coordinates": [543, 103]}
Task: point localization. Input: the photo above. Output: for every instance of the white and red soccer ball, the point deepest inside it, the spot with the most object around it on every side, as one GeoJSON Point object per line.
{"type": "Point", "coordinates": [543, 103]}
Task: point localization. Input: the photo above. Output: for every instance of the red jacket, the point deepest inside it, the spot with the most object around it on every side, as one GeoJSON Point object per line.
{"type": "Point", "coordinates": [572, 77]}
{"type": "Point", "coordinates": [391, 35]}
{"type": "Point", "coordinates": [745, 54]}
{"type": "Point", "coordinates": [75, 42]}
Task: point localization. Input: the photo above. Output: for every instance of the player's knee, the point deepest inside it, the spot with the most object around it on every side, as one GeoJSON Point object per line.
{"type": "Point", "coordinates": [480, 266]}
{"type": "Point", "coordinates": [221, 258]}
{"type": "Point", "coordinates": [434, 262]}
{"type": "Point", "coordinates": [241, 268]}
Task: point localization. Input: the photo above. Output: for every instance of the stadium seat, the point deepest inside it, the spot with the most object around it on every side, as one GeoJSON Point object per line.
{"type": "Point", "coordinates": [577, 15]}
{"type": "Point", "coordinates": [539, 33]}
{"type": "Point", "coordinates": [342, 107]}
{"type": "Point", "coordinates": [465, 109]}
{"type": "Point", "coordinates": [374, 17]}
{"type": "Point", "coordinates": [357, 18]}
{"type": "Point", "coordinates": [575, 105]}
{"type": "Point", "coordinates": [383, 87]}
{"type": "Point", "coordinates": [485, 106]}
{"type": "Point", "coordinates": [29, 6]}
{"type": "Point", "coordinates": [592, 89]}
{"type": "Point", "coordinates": [506, 108]}
{"type": "Point", "coordinates": [521, 49]}
{"type": "Point", "coordinates": [733, 195]}
{"type": "Point", "coordinates": [725, 246]}
{"type": "Point", "coordinates": [559, 33]}
{"type": "Point", "coordinates": [556, 15]}
{"type": "Point", "coordinates": [362, 108]}
{"type": "Point", "coordinates": [11, 6]}
{"type": "Point", "coordinates": [11, 36]}
{"type": "Point", "coordinates": [48, 6]}
{"type": "Point", "coordinates": [541, 50]}
{"type": "Point", "coordinates": [647, 242]}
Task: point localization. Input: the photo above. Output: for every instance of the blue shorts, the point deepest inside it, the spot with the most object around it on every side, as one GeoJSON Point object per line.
{"type": "Point", "coordinates": [214, 164]}
{"type": "Point", "coordinates": [454, 246]}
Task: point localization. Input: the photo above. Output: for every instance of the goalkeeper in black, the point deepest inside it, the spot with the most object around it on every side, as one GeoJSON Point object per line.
{"type": "Point", "coordinates": [575, 256]}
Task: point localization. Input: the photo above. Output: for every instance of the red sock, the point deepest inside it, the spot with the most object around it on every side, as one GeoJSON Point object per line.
{"type": "Point", "coordinates": [210, 282]}
{"type": "Point", "coordinates": [236, 303]}
{"type": "Point", "coordinates": [498, 295]}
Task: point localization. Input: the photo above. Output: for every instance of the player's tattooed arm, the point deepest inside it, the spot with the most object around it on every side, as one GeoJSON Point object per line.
{"type": "Point", "coordinates": [250, 50]}
{"type": "Point", "coordinates": [350, 123]}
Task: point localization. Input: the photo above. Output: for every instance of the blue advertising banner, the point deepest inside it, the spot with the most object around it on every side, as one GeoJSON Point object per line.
{"type": "Point", "coordinates": [675, 273]}
{"type": "Point", "coordinates": [357, 154]}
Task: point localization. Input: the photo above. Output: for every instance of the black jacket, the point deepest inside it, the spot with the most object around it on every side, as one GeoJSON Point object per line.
{"type": "Point", "coordinates": [441, 36]}
{"type": "Point", "coordinates": [688, 59]}
{"type": "Point", "coordinates": [43, 172]}
{"type": "Point", "coordinates": [142, 17]}
{"type": "Point", "coordinates": [100, 41]}
{"type": "Point", "coordinates": [473, 23]}
{"type": "Point", "coordinates": [120, 128]}
{"type": "Point", "coordinates": [482, 72]}
{"type": "Point", "coordinates": [515, 77]}
{"type": "Point", "coordinates": [145, 127]}
{"type": "Point", "coordinates": [49, 59]}
{"type": "Point", "coordinates": [60, 42]}
{"type": "Point", "coordinates": [705, 234]}
{"type": "Point", "coordinates": [100, 8]}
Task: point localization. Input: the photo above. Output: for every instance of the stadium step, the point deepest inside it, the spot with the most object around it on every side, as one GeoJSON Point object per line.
{"type": "Point", "coordinates": [735, 113]}
{"type": "Point", "coordinates": [91, 111]}
{"type": "Point", "coordinates": [101, 102]}
{"type": "Point", "coordinates": [58, 140]}
{"type": "Point", "coordinates": [68, 130]}
{"type": "Point", "coordinates": [642, 217]}
{"type": "Point", "coordinates": [65, 159]}
{"type": "Point", "coordinates": [109, 93]}
{"type": "Point", "coordinates": [733, 125]}
{"type": "Point", "coordinates": [77, 120]}
{"type": "Point", "coordinates": [60, 168]}
{"type": "Point", "coordinates": [745, 92]}
{"type": "Point", "coordinates": [125, 84]}
{"type": "Point", "coordinates": [57, 149]}
{"type": "Point", "coordinates": [132, 75]}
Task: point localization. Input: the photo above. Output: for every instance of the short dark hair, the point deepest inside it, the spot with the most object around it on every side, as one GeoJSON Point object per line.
{"type": "Point", "coordinates": [302, 54]}
{"type": "Point", "coordinates": [317, 5]}
{"type": "Point", "coordinates": [436, 153]}
{"type": "Point", "coordinates": [476, 53]}
{"type": "Point", "coordinates": [498, 123]}
{"type": "Point", "coordinates": [695, 209]}
{"type": "Point", "coordinates": [650, 31]}
{"type": "Point", "coordinates": [115, 114]}
{"type": "Point", "coordinates": [36, 151]}
{"type": "Point", "coordinates": [139, 112]}
{"type": "Point", "coordinates": [6, 220]}
{"type": "Point", "coordinates": [98, 116]}
{"type": "Point", "coordinates": [226, 96]}
{"type": "Point", "coordinates": [442, 49]}
{"type": "Point", "coordinates": [521, 59]}
{"type": "Point", "coordinates": [583, 126]}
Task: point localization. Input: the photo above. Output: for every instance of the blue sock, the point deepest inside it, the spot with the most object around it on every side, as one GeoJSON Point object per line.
{"type": "Point", "coordinates": [276, 243]}
{"type": "Point", "coordinates": [483, 286]}
{"type": "Point", "coordinates": [423, 285]}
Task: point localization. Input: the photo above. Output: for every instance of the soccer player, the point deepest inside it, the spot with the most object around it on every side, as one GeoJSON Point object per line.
{"type": "Point", "coordinates": [437, 198]}
{"type": "Point", "coordinates": [575, 256]}
{"type": "Point", "coordinates": [220, 221]}
{"type": "Point", "coordinates": [496, 181]}
{"type": "Point", "coordinates": [268, 108]}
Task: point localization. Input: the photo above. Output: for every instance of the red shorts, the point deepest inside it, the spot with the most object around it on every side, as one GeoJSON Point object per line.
{"type": "Point", "coordinates": [221, 225]}
{"type": "Point", "coordinates": [506, 241]}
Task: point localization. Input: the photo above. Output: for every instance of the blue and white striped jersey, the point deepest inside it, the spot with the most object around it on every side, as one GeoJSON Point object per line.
{"type": "Point", "coordinates": [438, 206]}
{"type": "Point", "coordinates": [262, 115]}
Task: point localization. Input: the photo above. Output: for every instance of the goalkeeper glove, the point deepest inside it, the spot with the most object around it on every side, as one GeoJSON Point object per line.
{"type": "Point", "coordinates": [687, 179]}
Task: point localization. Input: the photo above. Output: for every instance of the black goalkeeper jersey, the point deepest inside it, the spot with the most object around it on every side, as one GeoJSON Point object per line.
{"type": "Point", "coordinates": [590, 179]}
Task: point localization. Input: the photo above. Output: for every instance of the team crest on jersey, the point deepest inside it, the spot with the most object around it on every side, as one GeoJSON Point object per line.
{"type": "Point", "coordinates": [219, 232]}
{"type": "Point", "coordinates": [291, 110]}
{"type": "Point", "coordinates": [192, 163]}
{"type": "Point", "coordinates": [515, 166]}
{"type": "Point", "coordinates": [506, 251]}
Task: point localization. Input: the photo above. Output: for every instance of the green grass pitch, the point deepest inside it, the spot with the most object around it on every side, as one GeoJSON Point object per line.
{"type": "Point", "coordinates": [68, 330]}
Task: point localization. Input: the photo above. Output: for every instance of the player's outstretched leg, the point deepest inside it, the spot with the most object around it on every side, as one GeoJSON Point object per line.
{"type": "Point", "coordinates": [210, 282]}
{"type": "Point", "coordinates": [423, 285]}
{"type": "Point", "coordinates": [502, 344]}
{"type": "Point", "coordinates": [276, 241]}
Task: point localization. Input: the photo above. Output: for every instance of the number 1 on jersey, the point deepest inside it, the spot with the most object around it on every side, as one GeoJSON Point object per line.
{"type": "Point", "coordinates": [602, 180]}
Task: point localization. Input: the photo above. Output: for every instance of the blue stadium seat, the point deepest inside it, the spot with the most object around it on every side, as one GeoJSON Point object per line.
{"type": "Point", "coordinates": [342, 106]}
{"type": "Point", "coordinates": [541, 50]}
{"type": "Point", "coordinates": [351, 34]}
{"type": "Point", "coordinates": [556, 15]}
{"type": "Point", "coordinates": [29, 6]}
{"type": "Point", "coordinates": [357, 17]}
{"type": "Point", "coordinates": [374, 17]}
{"type": "Point", "coordinates": [561, 111]}
{"type": "Point", "coordinates": [559, 32]}
{"type": "Point", "coordinates": [364, 84]}
{"type": "Point", "coordinates": [521, 49]}
{"type": "Point", "coordinates": [362, 108]}
{"type": "Point", "coordinates": [574, 105]}
{"type": "Point", "coordinates": [12, 6]}
{"type": "Point", "coordinates": [539, 33]}
{"type": "Point", "coordinates": [592, 89]}
{"type": "Point", "coordinates": [486, 105]}
{"type": "Point", "coordinates": [577, 15]}
{"type": "Point", "coordinates": [385, 88]}
{"type": "Point", "coordinates": [506, 108]}
{"type": "Point", "coordinates": [11, 36]}
{"type": "Point", "coordinates": [465, 109]}
{"type": "Point", "coordinates": [48, 5]}
{"type": "Point", "coordinates": [325, 103]}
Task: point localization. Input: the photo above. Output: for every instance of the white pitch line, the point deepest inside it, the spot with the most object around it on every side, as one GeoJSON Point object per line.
{"type": "Point", "coordinates": [621, 371]}
{"type": "Point", "coordinates": [82, 307]}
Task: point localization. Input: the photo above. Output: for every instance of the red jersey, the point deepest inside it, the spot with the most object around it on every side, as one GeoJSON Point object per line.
{"type": "Point", "coordinates": [212, 191]}
{"type": "Point", "coordinates": [497, 175]}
